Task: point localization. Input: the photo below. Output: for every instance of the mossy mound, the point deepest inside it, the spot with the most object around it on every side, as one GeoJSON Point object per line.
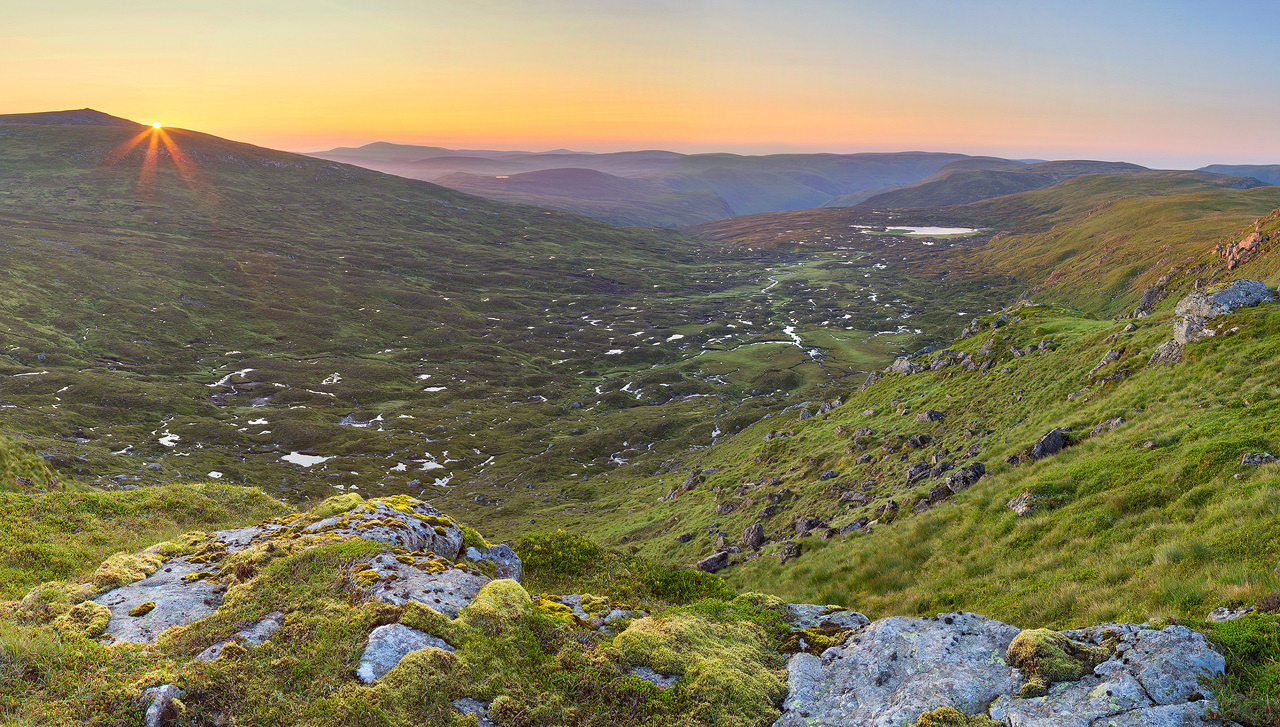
{"type": "Point", "coordinates": [86, 619]}
{"type": "Point", "coordinates": [952, 717]}
{"type": "Point", "coordinates": [1046, 657]}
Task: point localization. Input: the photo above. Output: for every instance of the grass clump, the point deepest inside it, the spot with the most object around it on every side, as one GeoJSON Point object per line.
{"type": "Point", "coordinates": [1249, 690]}
{"type": "Point", "coordinates": [1047, 657]}
{"type": "Point", "coordinates": [122, 569]}
{"type": "Point", "coordinates": [335, 505]}
{"type": "Point", "coordinates": [952, 717]}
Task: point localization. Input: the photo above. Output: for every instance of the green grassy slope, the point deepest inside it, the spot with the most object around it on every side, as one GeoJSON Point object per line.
{"type": "Point", "coordinates": [961, 183]}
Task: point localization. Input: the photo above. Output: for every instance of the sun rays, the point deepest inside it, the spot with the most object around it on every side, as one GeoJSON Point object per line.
{"type": "Point", "coordinates": [161, 142]}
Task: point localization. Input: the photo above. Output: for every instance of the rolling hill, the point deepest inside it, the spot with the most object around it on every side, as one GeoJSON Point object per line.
{"type": "Point", "coordinates": [743, 184]}
{"type": "Point", "coordinates": [1269, 173]}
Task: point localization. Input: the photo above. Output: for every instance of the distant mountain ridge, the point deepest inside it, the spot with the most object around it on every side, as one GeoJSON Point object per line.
{"type": "Point", "coordinates": [1269, 173]}
{"type": "Point", "coordinates": [973, 180]}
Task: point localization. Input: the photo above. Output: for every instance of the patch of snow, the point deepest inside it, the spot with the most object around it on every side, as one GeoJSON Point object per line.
{"type": "Point", "coordinates": [306, 460]}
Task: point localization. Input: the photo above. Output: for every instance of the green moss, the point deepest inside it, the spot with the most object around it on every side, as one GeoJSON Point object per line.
{"type": "Point", "coordinates": [952, 717]}
{"type": "Point", "coordinates": [122, 569]}
{"type": "Point", "coordinates": [335, 505]}
{"type": "Point", "coordinates": [48, 600]}
{"type": "Point", "coordinates": [496, 607]}
{"type": "Point", "coordinates": [472, 539]}
{"type": "Point", "coordinates": [1046, 657]}
{"type": "Point", "coordinates": [86, 619]}
{"type": "Point", "coordinates": [428, 620]}
{"type": "Point", "coordinates": [424, 682]}
{"type": "Point", "coordinates": [441, 531]}
{"type": "Point", "coordinates": [728, 668]}
{"type": "Point", "coordinates": [142, 609]}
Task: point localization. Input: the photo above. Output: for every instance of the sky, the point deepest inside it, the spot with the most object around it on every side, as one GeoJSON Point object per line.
{"type": "Point", "coordinates": [1172, 84]}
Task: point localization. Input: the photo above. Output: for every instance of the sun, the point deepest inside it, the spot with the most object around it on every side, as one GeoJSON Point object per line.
{"type": "Point", "coordinates": [156, 124]}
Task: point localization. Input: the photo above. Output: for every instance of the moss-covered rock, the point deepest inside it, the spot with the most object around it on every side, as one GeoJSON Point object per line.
{"type": "Point", "coordinates": [335, 505]}
{"type": "Point", "coordinates": [498, 604]}
{"type": "Point", "coordinates": [1046, 656]}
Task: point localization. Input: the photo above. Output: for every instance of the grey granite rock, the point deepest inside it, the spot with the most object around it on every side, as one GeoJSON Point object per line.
{"type": "Point", "coordinates": [476, 707]}
{"type": "Point", "coordinates": [255, 635]}
{"type": "Point", "coordinates": [447, 591]}
{"type": "Point", "coordinates": [159, 701]}
{"type": "Point", "coordinates": [653, 677]}
{"type": "Point", "coordinates": [809, 615]}
{"type": "Point", "coordinates": [504, 559]}
{"type": "Point", "coordinates": [1193, 311]}
{"type": "Point", "coordinates": [177, 601]}
{"type": "Point", "coordinates": [388, 645]}
{"type": "Point", "coordinates": [892, 671]}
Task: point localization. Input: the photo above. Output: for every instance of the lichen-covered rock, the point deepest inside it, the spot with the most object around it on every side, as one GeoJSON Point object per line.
{"type": "Point", "coordinates": [506, 563]}
{"type": "Point", "coordinates": [1024, 503]}
{"type": "Point", "coordinates": [399, 521]}
{"type": "Point", "coordinates": [1150, 669]}
{"type": "Point", "coordinates": [713, 563]}
{"type": "Point", "coordinates": [898, 668]}
{"type": "Point", "coordinates": [388, 645]}
{"type": "Point", "coordinates": [810, 615]}
{"type": "Point", "coordinates": [433, 582]}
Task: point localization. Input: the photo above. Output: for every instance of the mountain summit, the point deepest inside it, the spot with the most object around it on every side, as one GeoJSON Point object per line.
{"type": "Point", "coordinates": [77, 117]}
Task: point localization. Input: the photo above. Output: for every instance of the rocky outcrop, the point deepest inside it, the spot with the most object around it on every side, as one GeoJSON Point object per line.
{"type": "Point", "coordinates": [255, 635]}
{"type": "Point", "coordinates": [891, 672]}
{"type": "Point", "coordinates": [1195, 310]}
{"type": "Point", "coordinates": [713, 563]}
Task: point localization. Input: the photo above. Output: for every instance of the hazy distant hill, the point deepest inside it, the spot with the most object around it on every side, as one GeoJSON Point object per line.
{"type": "Point", "coordinates": [1269, 173]}
{"type": "Point", "coordinates": [971, 180]}
{"type": "Point", "coordinates": [744, 184]}
{"type": "Point", "coordinates": [618, 200]}
{"type": "Point", "coordinates": [78, 117]}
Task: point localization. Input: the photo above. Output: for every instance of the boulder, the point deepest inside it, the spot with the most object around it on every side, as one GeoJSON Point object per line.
{"type": "Point", "coordinates": [916, 441]}
{"type": "Point", "coordinates": [713, 563]}
{"type": "Point", "coordinates": [902, 365]}
{"type": "Point", "coordinates": [388, 645]}
{"type": "Point", "coordinates": [828, 475]}
{"type": "Point", "coordinates": [1110, 356]}
{"type": "Point", "coordinates": [1193, 311]}
{"type": "Point", "coordinates": [753, 536]}
{"type": "Point", "coordinates": [965, 478]}
{"type": "Point", "coordinates": [929, 416]}
{"type": "Point", "coordinates": [506, 563]}
{"type": "Point", "coordinates": [726, 507]}
{"type": "Point", "coordinates": [402, 522]}
{"type": "Point", "coordinates": [1169, 352]}
{"type": "Point", "coordinates": [1050, 444]}
{"type": "Point", "coordinates": [161, 707]}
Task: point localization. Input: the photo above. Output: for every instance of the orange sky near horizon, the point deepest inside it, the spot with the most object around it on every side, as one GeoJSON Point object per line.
{"type": "Point", "coordinates": [1046, 80]}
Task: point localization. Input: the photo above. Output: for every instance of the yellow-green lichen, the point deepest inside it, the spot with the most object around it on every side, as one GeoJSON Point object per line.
{"type": "Point", "coordinates": [441, 531]}
{"type": "Point", "coordinates": [197, 576]}
{"type": "Point", "coordinates": [1046, 657]}
{"type": "Point", "coordinates": [402, 503]}
{"type": "Point", "coordinates": [366, 578]}
{"type": "Point", "coordinates": [86, 619]}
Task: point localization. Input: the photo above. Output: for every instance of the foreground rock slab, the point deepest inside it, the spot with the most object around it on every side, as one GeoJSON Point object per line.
{"type": "Point", "coordinates": [889, 673]}
{"type": "Point", "coordinates": [892, 671]}
{"type": "Point", "coordinates": [180, 596]}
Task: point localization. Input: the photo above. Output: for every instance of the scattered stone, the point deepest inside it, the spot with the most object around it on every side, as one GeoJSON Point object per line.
{"type": "Point", "coordinates": [388, 645]}
{"type": "Point", "coordinates": [1050, 444]}
{"type": "Point", "coordinates": [1109, 425]}
{"type": "Point", "coordinates": [753, 536]}
{"type": "Point", "coordinates": [929, 416]}
{"type": "Point", "coordinates": [1023, 504]}
{"type": "Point", "coordinates": [1257, 458]}
{"type": "Point", "coordinates": [1077, 394]}
{"type": "Point", "coordinates": [805, 524]}
{"type": "Point", "coordinates": [855, 497]}
{"type": "Point", "coordinates": [713, 563]}
{"type": "Point", "coordinates": [255, 635]}
{"type": "Point", "coordinates": [1129, 327]}
{"type": "Point", "coordinates": [808, 615]}
{"type": "Point", "coordinates": [965, 478]}
{"type": "Point", "coordinates": [916, 441]}
{"type": "Point", "coordinates": [653, 677]}
{"type": "Point", "coordinates": [1110, 356]}
{"type": "Point", "coordinates": [1218, 615]}
{"type": "Point", "coordinates": [791, 551]}
{"type": "Point", "coordinates": [902, 365]}
{"type": "Point", "coordinates": [684, 538]}
{"type": "Point", "coordinates": [769, 511]}
{"type": "Point", "coordinates": [477, 708]}
{"type": "Point", "coordinates": [868, 412]}
{"type": "Point", "coordinates": [828, 475]}
{"type": "Point", "coordinates": [1169, 352]}
{"type": "Point", "coordinates": [1006, 370]}
{"type": "Point", "coordinates": [1148, 444]}
{"type": "Point", "coordinates": [162, 704]}
{"type": "Point", "coordinates": [864, 459]}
